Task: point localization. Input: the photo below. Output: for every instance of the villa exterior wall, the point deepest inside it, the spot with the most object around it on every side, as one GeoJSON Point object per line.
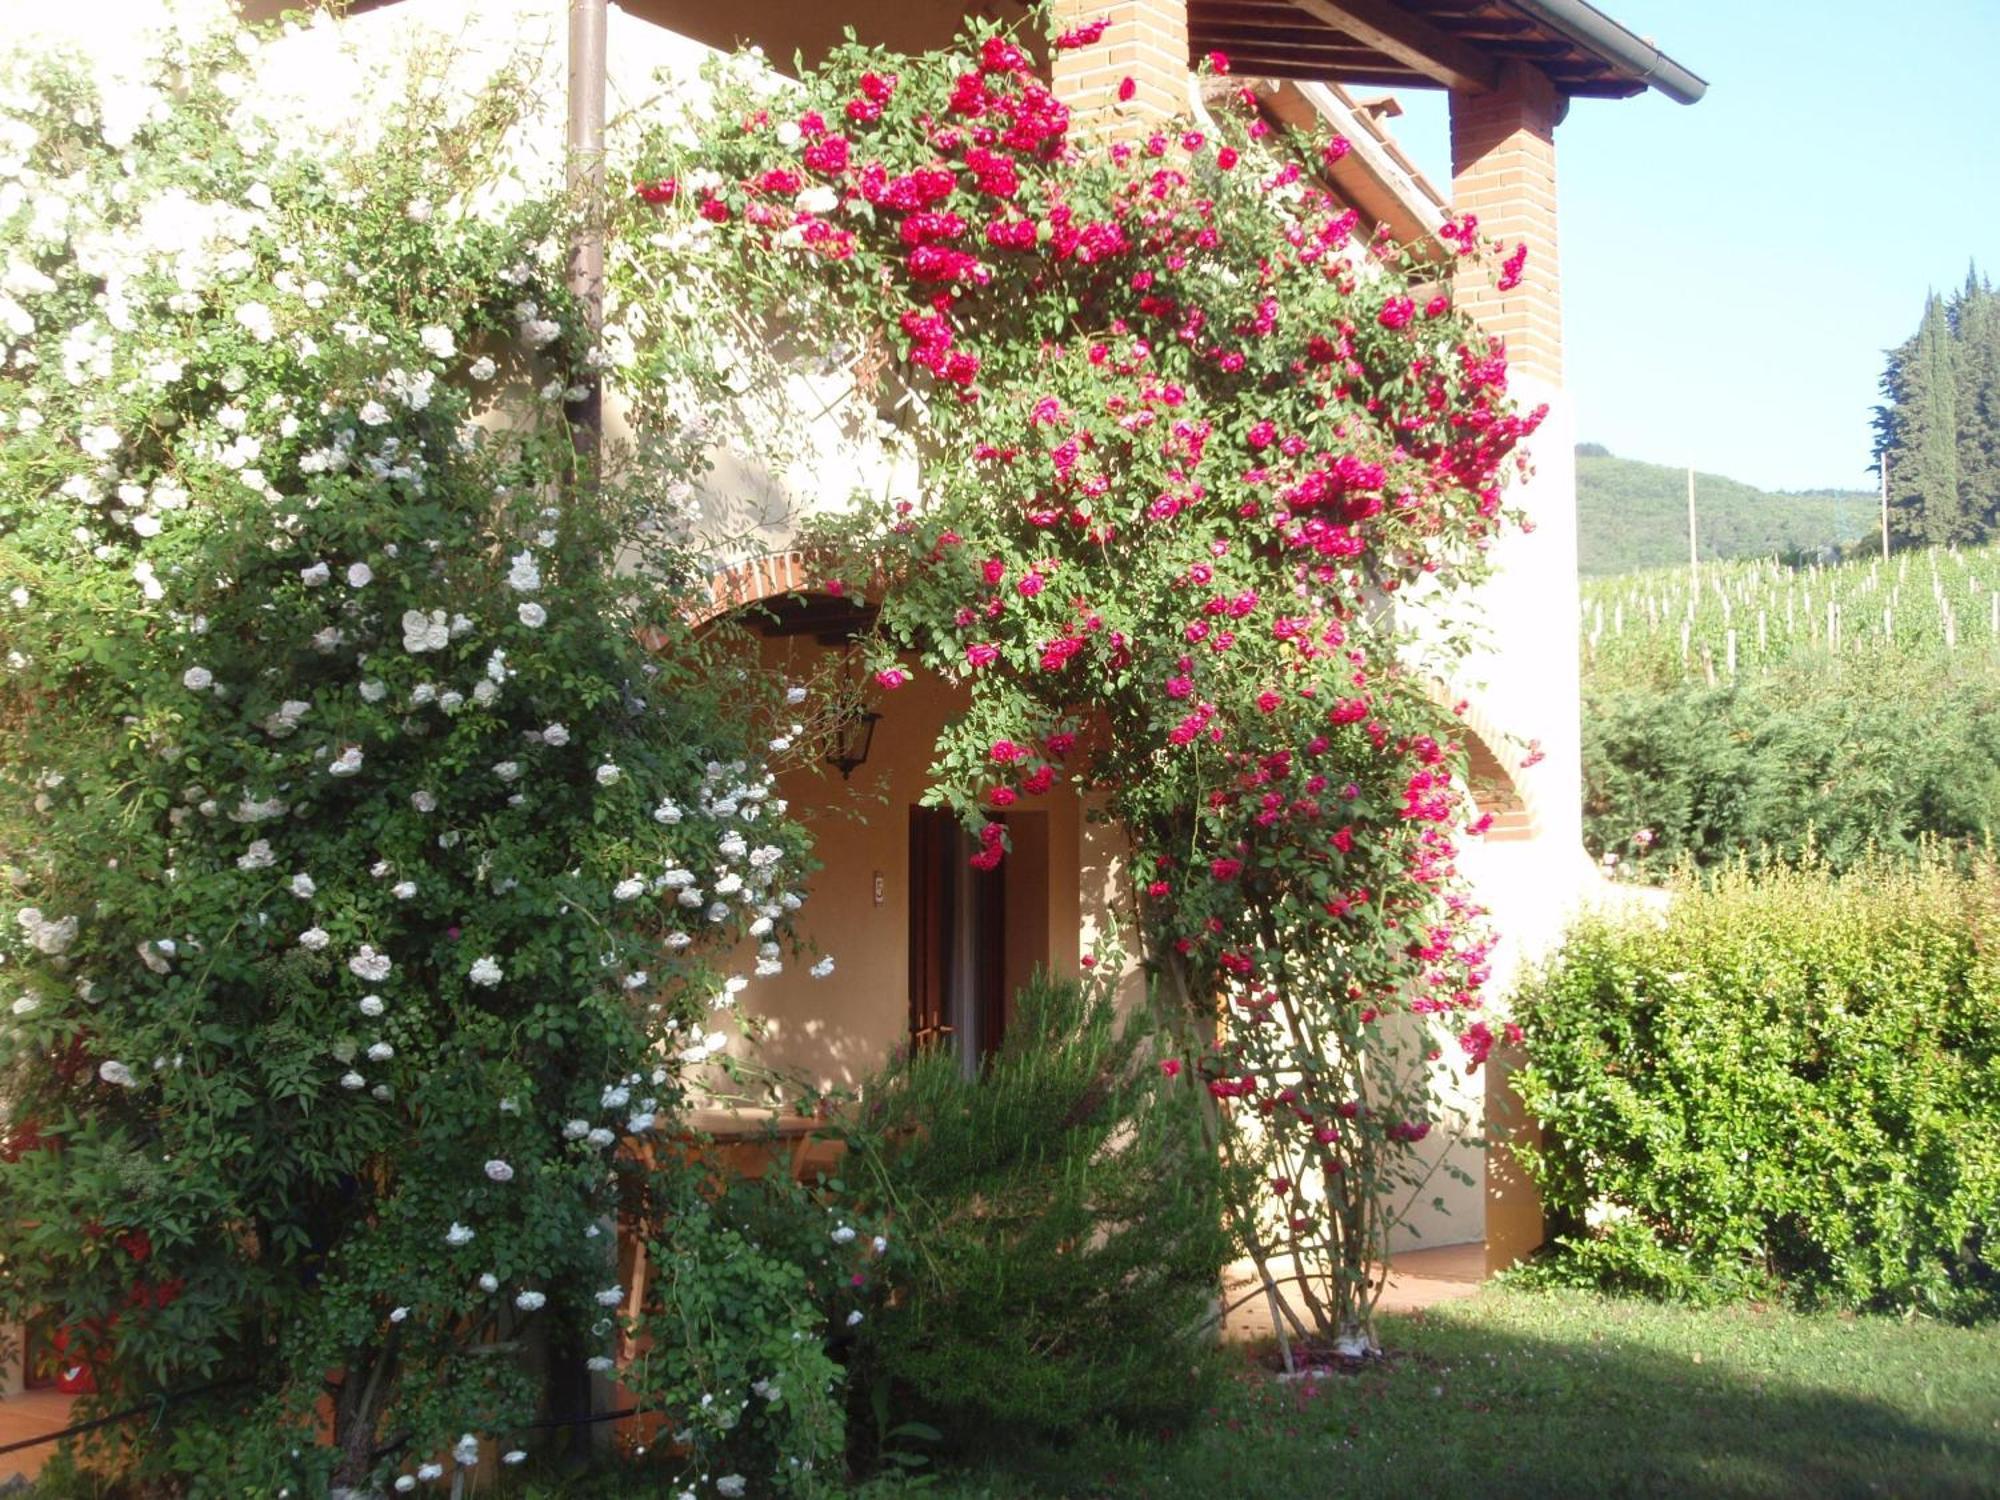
{"type": "Point", "coordinates": [834, 1031]}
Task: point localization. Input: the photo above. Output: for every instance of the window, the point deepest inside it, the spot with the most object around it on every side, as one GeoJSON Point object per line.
{"type": "Point", "coordinates": [958, 941]}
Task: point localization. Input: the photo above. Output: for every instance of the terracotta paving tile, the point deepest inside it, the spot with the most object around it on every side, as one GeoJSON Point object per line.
{"type": "Point", "coordinates": [30, 1414]}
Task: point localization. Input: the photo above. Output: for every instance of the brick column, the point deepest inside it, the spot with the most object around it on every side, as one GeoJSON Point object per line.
{"type": "Point", "coordinates": [1147, 41]}
{"type": "Point", "coordinates": [1503, 168]}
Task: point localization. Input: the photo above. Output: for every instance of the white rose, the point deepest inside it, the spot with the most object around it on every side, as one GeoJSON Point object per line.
{"type": "Point", "coordinates": [524, 574]}
{"type": "Point", "coordinates": [422, 632]}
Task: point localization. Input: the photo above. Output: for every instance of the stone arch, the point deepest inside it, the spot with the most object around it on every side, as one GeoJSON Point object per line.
{"type": "Point", "coordinates": [768, 575]}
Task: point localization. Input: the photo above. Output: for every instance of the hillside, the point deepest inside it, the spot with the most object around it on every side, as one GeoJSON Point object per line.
{"type": "Point", "coordinates": [1634, 515]}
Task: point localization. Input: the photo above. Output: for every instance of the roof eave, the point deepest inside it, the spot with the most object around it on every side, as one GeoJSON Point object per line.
{"type": "Point", "coordinates": [1591, 29]}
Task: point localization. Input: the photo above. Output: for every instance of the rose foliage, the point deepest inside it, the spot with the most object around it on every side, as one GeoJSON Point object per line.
{"type": "Point", "coordinates": [1198, 462]}
{"type": "Point", "coordinates": [370, 884]}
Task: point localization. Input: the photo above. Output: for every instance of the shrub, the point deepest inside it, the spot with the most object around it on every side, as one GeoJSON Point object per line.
{"type": "Point", "coordinates": [350, 830]}
{"type": "Point", "coordinates": [1792, 761]}
{"type": "Point", "coordinates": [1182, 432]}
{"type": "Point", "coordinates": [1791, 1085]}
{"type": "Point", "coordinates": [745, 1276]}
{"type": "Point", "coordinates": [1055, 1237]}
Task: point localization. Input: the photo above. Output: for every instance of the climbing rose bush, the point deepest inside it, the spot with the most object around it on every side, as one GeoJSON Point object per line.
{"type": "Point", "coordinates": [1201, 466]}
{"type": "Point", "coordinates": [371, 888]}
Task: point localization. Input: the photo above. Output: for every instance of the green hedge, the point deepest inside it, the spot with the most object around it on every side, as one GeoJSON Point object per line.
{"type": "Point", "coordinates": [1791, 1085]}
{"type": "Point", "coordinates": [1808, 758]}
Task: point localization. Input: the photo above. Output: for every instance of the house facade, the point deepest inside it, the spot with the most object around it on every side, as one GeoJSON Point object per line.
{"type": "Point", "coordinates": [924, 947]}
{"type": "Point", "coordinates": [888, 902]}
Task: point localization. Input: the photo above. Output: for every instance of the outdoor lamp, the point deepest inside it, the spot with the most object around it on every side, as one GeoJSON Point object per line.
{"type": "Point", "coordinates": [851, 738]}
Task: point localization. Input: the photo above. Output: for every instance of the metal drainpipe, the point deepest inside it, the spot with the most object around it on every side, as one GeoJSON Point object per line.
{"type": "Point", "coordinates": [586, 191]}
{"type": "Point", "coordinates": [1592, 28]}
{"type": "Point", "coordinates": [570, 1386]}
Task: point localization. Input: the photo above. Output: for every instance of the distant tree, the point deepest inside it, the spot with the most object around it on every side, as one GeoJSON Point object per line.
{"type": "Point", "coordinates": [1918, 430]}
{"type": "Point", "coordinates": [1976, 332]}
{"type": "Point", "coordinates": [1938, 426]}
{"type": "Point", "coordinates": [1592, 450]}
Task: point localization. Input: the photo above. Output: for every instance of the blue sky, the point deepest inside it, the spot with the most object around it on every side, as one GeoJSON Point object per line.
{"type": "Point", "coordinates": [1734, 269]}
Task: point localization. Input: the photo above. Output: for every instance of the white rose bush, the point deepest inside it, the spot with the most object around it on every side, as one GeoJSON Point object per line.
{"type": "Point", "coordinates": [348, 953]}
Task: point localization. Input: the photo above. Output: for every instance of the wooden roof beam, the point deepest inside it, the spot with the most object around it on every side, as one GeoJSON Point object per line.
{"type": "Point", "coordinates": [1409, 40]}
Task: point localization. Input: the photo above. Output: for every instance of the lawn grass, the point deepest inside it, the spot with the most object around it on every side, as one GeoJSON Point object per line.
{"type": "Point", "coordinates": [1521, 1392]}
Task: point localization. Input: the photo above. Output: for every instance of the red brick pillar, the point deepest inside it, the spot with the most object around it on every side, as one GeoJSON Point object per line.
{"type": "Point", "coordinates": [1146, 41]}
{"type": "Point", "coordinates": [1503, 168]}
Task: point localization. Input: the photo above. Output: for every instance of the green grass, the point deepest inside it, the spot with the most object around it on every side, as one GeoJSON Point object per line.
{"type": "Point", "coordinates": [1520, 1392]}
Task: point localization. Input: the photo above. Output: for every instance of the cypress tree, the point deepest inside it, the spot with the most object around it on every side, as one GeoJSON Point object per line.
{"type": "Point", "coordinates": [1976, 331]}
{"type": "Point", "coordinates": [1901, 380]}
{"type": "Point", "coordinates": [1923, 463]}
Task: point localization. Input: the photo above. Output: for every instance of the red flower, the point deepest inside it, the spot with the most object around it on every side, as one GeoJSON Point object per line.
{"type": "Point", "coordinates": [892, 678]}
{"type": "Point", "coordinates": [1082, 36]}
{"type": "Point", "coordinates": [876, 88]}
{"type": "Point", "coordinates": [1218, 62]}
{"type": "Point", "coordinates": [663, 191]}
{"type": "Point", "coordinates": [1126, 89]}
{"type": "Point", "coordinates": [980, 654]}
{"type": "Point", "coordinates": [1225, 869]}
{"type": "Point", "coordinates": [1397, 312]}
{"type": "Point", "coordinates": [1006, 752]}
{"type": "Point", "coordinates": [998, 55]}
{"type": "Point", "coordinates": [1038, 781]}
{"type": "Point", "coordinates": [1171, 1067]}
{"type": "Point", "coordinates": [827, 156]}
{"type": "Point", "coordinates": [1226, 158]}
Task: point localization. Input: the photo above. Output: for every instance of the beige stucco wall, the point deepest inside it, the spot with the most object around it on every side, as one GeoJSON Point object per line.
{"type": "Point", "coordinates": [832, 1032]}
{"type": "Point", "coordinates": [1523, 686]}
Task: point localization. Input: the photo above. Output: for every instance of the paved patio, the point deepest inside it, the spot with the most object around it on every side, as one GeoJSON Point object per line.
{"type": "Point", "coordinates": [1417, 1279]}
{"type": "Point", "coordinates": [29, 1414]}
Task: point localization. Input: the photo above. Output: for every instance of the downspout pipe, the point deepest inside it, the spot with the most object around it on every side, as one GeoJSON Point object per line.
{"type": "Point", "coordinates": [585, 142]}
{"type": "Point", "coordinates": [1589, 27]}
